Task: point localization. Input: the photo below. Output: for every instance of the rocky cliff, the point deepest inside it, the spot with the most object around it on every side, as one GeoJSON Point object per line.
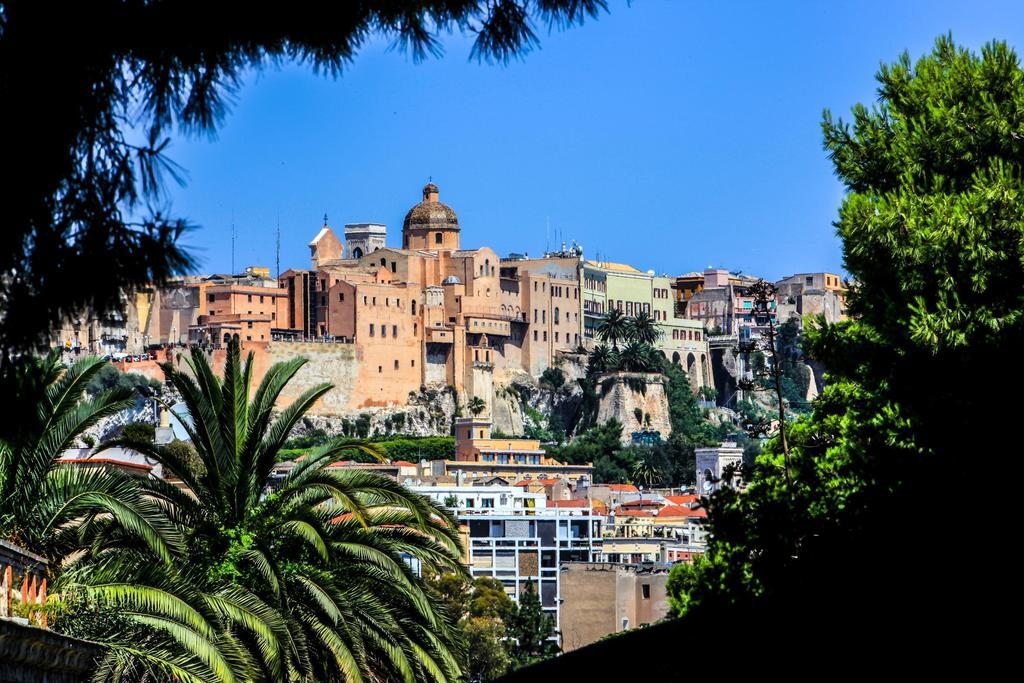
{"type": "Point", "coordinates": [637, 400]}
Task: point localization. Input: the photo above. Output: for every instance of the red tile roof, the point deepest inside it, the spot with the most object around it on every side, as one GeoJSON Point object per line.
{"type": "Point", "coordinates": [633, 513]}
{"type": "Point", "coordinates": [107, 461]}
{"type": "Point", "coordinates": [683, 500]}
{"type": "Point", "coordinates": [404, 463]}
{"type": "Point", "coordinates": [623, 488]}
{"type": "Point", "coordinates": [575, 503]}
{"type": "Point", "coordinates": [641, 502]}
{"type": "Point", "coordinates": [680, 511]}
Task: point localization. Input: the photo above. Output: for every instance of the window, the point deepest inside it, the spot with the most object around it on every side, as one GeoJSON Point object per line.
{"type": "Point", "coordinates": [544, 316]}
{"type": "Point", "coordinates": [383, 331]}
{"type": "Point", "coordinates": [371, 329]}
{"type": "Point", "coordinates": [437, 238]}
{"type": "Point", "coordinates": [412, 363]}
{"type": "Point", "coordinates": [380, 369]}
{"type": "Point", "coordinates": [487, 503]}
{"type": "Point", "coordinates": [556, 315]}
{"type": "Point", "coordinates": [415, 328]}
{"type": "Point", "coordinates": [414, 306]}
{"type": "Point", "coordinates": [535, 335]}
{"type": "Point", "coordinates": [341, 296]}
{"type": "Point", "coordinates": [249, 298]}
{"type": "Point", "coordinates": [210, 298]}
{"type": "Point", "coordinates": [396, 364]}
{"type": "Point", "coordinates": [249, 324]}
{"type": "Point", "coordinates": [545, 335]}
{"type": "Point", "coordinates": [645, 591]}
{"type": "Point", "coordinates": [394, 330]}
{"type": "Point", "coordinates": [261, 298]}
{"type": "Point", "coordinates": [394, 267]}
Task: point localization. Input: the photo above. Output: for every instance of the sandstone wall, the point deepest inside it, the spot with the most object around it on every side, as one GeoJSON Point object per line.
{"type": "Point", "coordinates": [621, 398]}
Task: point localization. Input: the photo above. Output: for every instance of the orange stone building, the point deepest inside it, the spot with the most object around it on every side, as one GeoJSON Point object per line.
{"type": "Point", "coordinates": [430, 313]}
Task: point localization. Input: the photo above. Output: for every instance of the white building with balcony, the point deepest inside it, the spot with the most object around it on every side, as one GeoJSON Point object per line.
{"type": "Point", "coordinates": [512, 536]}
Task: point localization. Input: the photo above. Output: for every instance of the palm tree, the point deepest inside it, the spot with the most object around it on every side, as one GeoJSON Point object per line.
{"type": "Point", "coordinates": [477, 405]}
{"type": "Point", "coordinates": [647, 471]}
{"type": "Point", "coordinates": [65, 510]}
{"type": "Point", "coordinates": [642, 328]}
{"type": "Point", "coordinates": [613, 328]}
{"type": "Point", "coordinates": [602, 359]}
{"type": "Point", "coordinates": [636, 357]}
{"type": "Point", "coordinates": [305, 582]}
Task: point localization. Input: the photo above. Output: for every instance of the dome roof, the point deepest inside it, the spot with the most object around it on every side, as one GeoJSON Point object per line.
{"type": "Point", "coordinates": [430, 213]}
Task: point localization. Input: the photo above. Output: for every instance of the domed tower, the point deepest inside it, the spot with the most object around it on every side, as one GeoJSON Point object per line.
{"type": "Point", "coordinates": [430, 224]}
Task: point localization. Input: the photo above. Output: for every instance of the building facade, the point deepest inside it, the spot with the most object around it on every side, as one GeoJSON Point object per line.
{"type": "Point", "coordinates": [599, 599]}
{"type": "Point", "coordinates": [806, 294]}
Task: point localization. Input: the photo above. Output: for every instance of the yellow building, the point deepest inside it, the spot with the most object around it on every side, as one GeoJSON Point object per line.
{"type": "Point", "coordinates": [478, 455]}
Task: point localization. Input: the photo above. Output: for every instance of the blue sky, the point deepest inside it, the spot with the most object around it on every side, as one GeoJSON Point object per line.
{"type": "Point", "coordinates": [669, 134]}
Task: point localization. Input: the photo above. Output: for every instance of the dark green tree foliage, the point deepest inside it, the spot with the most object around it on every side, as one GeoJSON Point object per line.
{"type": "Point", "coordinates": [50, 508]}
{"type": "Point", "coordinates": [109, 377]}
{"type": "Point", "coordinates": [482, 609]}
{"type": "Point", "coordinates": [139, 431]}
{"type": "Point", "coordinates": [933, 235]}
{"type": "Point", "coordinates": [306, 582]}
{"type": "Point", "coordinates": [553, 377]}
{"type": "Point", "coordinates": [529, 629]}
{"type": "Point", "coordinates": [613, 328]}
{"type": "Point", "coordinates": [476, 405]}
{"type": "Point", "coordinates": [601, 446]}
{"type": "Point", "coordinates": [85, 192]}
{"type": "Point", "coordinates": [642, 328]}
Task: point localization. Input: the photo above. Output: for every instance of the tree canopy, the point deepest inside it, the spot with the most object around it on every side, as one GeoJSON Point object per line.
{"type": "Point", "coordinates": [933, 235]}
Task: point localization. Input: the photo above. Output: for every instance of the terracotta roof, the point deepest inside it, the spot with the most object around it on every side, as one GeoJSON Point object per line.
{"type": "Point", "coordinates": [575, 503]}
{"type": "Point", "coordinates": [403, 463]}
{"type": "Point", "coordinates": [107, 461]}
{"type": "Point", "coordinates": [683, 500]}
{"type": "Point", "coordinates": [679, 511]}
{"type": "Point", "coordinates": [628, 488]}
{"type": "Point", "coordinates": [633, 513]}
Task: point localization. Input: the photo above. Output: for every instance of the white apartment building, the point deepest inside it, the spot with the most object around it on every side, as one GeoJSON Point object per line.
{"type": "Point", "coordinates": [512, 536]}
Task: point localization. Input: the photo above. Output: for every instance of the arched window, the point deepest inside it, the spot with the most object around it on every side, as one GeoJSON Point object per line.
{"type": "Point", "coordinates": [487, 266]}
{"type": "Point", "coordinates": [556, 315]}
{"type": "Point", "coordinates": [414, 306]}
{"type": "Point", "coordinates": [437, 238]}
{"type": "Point", "coordinates": [357, 253]}
{"type": "Point", "coordinates": [384, 262]}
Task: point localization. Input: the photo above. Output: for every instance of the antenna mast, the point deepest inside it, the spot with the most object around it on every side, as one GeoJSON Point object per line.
{"type": "Point", "coordinates": [232, 242]}
{"type": "Point", "coordinates": [277, 253]}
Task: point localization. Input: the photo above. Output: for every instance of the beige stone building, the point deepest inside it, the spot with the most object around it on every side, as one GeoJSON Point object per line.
{"type": "Point", "coordinates": [599, 599]}
{"type": "Point", "coordinates": [806, 294]}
